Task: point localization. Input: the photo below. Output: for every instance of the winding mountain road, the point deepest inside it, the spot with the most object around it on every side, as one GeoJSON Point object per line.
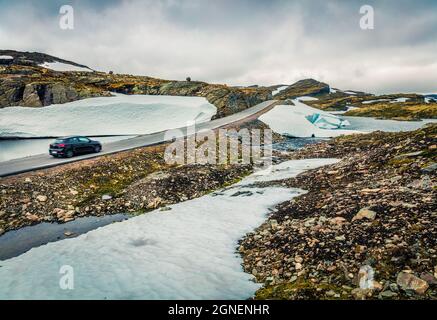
{"type": "Point", "coordinates": [42, 161]}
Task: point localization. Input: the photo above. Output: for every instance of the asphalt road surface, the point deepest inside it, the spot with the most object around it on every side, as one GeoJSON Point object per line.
{"type": "Point", "coordinates": [42, 161]}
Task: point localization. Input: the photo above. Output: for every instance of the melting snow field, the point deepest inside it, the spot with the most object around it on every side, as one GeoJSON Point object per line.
{"type": "Point", "coordinates": [371, 124]}
{"type": "Point", "coordinates": [303, 121]}
{"type": "Point", "coordinates": [118, 115]}
{"type": "Point", "coordinates": [188, 252]}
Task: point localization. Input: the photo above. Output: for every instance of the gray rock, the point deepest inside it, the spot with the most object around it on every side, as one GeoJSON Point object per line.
{"type": "Point", "coordinates": [430, 168]}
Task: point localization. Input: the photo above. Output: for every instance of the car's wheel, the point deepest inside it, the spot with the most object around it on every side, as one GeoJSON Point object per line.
{"type": "Point", "coordinates": [69, 154]}
{"type": "Point", "coordinates": [97, 149]}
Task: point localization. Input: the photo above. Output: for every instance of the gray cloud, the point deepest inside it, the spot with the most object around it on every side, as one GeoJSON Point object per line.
{"type": "Point", "coordinates": [240, 41]}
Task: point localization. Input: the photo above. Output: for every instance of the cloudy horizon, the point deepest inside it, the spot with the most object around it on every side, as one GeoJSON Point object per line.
{"type": "Point", "coordinates": [240, 42]}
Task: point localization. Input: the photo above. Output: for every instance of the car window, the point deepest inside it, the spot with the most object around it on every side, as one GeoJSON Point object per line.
{"type": "Point", "coordinates": [82, 139]}
{"type": "Point", "coordinates": [72, 140]}
{"type": "Point", "coordinates": [60, 141]}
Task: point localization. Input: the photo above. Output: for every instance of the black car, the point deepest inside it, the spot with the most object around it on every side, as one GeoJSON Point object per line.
{"type": "Point", "coordinates": [70, 146]}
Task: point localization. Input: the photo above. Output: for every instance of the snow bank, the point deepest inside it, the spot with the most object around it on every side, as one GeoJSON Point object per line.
{"type": "Point", "coordinates": [350, 92]}
{"type": "Point", "coordinates": [188, 252]}
{"type": "Point", "coordinates": [6, 57]}
{"type": "Point", "coordinates": [400, 100]}
{"type": "Point", "coordinates": [397, 100]}
{"type": "Point", "coordinates": [63, 67]}
{"type": "Point", "coordinates": [121, 114]}
{"type": "Point", "coordinates": [275, 92]}
{"type": "Point", "coordinates": [372, 101]}
{"type": "Point", "coordinates": [304, 121]}
{"type": "Point", "coordinates": [307, 98]}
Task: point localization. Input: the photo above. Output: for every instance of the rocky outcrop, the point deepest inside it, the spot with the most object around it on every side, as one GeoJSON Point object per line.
{"type": "Point", "coordinates": [371, 216]}
{"type": "Point", "coordinates": [307, 87]}
{"type": "Point", "coordinates": [42, 94]}
{"type": "Point", "coordinates": [133, 181]}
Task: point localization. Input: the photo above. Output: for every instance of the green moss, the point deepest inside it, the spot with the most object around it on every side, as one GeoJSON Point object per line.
{"type": "Point", "coordinates": [398, 162]}
{"type": "Point", "coordinates": [301, 287]}
{"type": "Point", "coordinates": [396, 111]}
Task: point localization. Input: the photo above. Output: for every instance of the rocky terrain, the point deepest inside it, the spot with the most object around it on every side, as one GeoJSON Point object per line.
{"type": "Point", "coordinates": [414, 109]}
{"type": "Point", "coordinates": [129, 182]}
{"type": "Point", "coordinates": [307, 87]}
{"type": "Point", "coordinates": [370, 219]}
{"type": "Point", "coordinates": [390, 106]}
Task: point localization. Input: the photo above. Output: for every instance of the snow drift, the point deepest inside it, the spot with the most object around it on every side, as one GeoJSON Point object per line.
{"type": "Point", "coordinates": [118, 115]}
{"type": "Point", "coordinates": [303, 121]}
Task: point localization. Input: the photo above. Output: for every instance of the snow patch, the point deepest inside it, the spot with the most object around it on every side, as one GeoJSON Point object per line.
{"type": "Point", "coordinates": [6, 57]}
{"type": "Point", "coordinates": [63, 67]}
{"type": "Point", "coordinates": [350, 92]}
{"type": "Point", "coordinates": [275, 92]}
{"type": "Point", "coordinates": [303, 121]}
{"type": "Point", "coordinates": [307, 98]}
{"type": "Point", "coordinates": [400, 100]}
{"type": "Point", "coordinates": [121, 114]}
{"type": "Point", "coordinates": [373, 101]}
{"type": "Point", "coordinates": [188, 252]}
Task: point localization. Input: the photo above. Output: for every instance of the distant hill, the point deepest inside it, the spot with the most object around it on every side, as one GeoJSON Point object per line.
{"type": "Point", "coordinates": [37, 59]}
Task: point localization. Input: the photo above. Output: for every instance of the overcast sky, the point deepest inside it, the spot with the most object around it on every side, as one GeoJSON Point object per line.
{"type": "Point", "coordinates": [238, 42]}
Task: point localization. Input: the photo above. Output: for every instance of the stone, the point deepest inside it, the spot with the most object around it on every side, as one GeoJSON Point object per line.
{"type": "Point", "coordinates": [376, 190]}
{"type": "Point", "coordinates": [68, 233]}
{"type": "Point", "coordinates": [364, 213]}
{"type": "Point", "coordinates": [2, 231]}
{"type": "Point", "coordinates": [41, 198]}
{"type": "Point", "coordinates": [330, 293]}
{"type": "Point", "coordinates": [435, 272]}
{"type": "Point", "coordinates": [408, 281]}
{"type": "Point", "coordinates": [32, 217]}
{"type": "Point", "coordinates": [340, 238]}
{"type": "Point", "coordinates": [298, 259]}
{"type": "Point", "coordinates": [388, 294]}
{"type": "Point", "coordinates": [337, 221]}
{"type": "Point", "coordinates": [154, 203]}
{"type": "Point", "coordinates": [430, 168]}
{"type": "Point", "coordinates": [273, 224]}
{"type": "Point", "coordinates": [361, 294]}
{"type": "Point", "coordinates": [429, 278]}
{"type": "Point", "coordinates": [106, 197]}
